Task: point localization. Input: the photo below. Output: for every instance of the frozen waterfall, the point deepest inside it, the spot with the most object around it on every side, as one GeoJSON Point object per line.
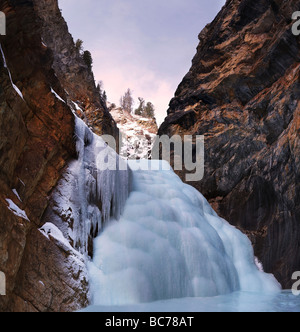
{"type": "Point", "coordinates": [159, 238]}
{"type": "Point", "coordinates": [89, 193]}
{"type": "Point", "coordinates": [169, 243]}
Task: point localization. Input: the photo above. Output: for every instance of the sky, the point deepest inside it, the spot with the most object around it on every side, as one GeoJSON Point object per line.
{"type": "Point", "coordinates": [144, 45]}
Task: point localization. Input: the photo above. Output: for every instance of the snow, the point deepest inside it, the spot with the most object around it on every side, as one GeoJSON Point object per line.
{"type": "Point", "coordinates": [75, 262]}
{"type": "Point", "coordinates": [77, 106]}
{"type": "Point", "coordinates": [12, 83]}
{"type": "Point", "coordinates": [41, 283]}
{"type": "Point", "coordinates": [50, 229]}
{"type": "Point", "coordinates": [16, 194]}
{"type": "Point", "coordinates": [57, 96]}
{"type": "Point", "coordinates": [16, 210]}
{"type": "Point", "coordinates": [15, 87]}
{"type": "Point", "coordinates": [22, 183]}
{"type": "Point", "coordinates": [169, 244]}
{"type": "Point", "coordinates": [137, 141]}
{"type": "Point", "coordinates": [137, 117]}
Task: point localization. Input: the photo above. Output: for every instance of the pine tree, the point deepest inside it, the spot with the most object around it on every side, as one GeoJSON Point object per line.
{"type": "Point", "coordinates": [149, 111]}
{"type": "Point", "coordinates": [141, 108]}
{"type": "Point", "coordinates": [126, 101]}
{"type": "Point", "coordinates": [87, 58]}
{"type": "Point", "coordinates": [79, 45]}
{"type": "Point", "coordinates": [104, 96]}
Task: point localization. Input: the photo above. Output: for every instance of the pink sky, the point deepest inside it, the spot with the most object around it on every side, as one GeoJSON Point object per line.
{"type": "Point", "coordinates": [146, 45]}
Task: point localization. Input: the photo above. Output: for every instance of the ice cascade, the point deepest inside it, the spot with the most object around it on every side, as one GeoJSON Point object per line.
{"type": "Point", "coordinates": [89, 192]}
{"type": "Point", "coordinates": [169, 243]}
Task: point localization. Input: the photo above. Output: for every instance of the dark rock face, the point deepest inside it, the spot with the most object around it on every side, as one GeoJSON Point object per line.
{"type": "Point", "coordinates": [242, 92]}
{"type": "Point", "coordinates": [36, 144]}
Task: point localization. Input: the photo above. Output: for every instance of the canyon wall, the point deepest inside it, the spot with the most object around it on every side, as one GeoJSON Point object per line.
{"type": "Point", "coordinates": [76, 78]}
{"type": "Point", "coordinates": [43, 81]}
{"type": "Point", "coordinates": [242, 92]}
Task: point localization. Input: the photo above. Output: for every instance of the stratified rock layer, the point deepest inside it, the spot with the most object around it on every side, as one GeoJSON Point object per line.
{"type": "Point", "coordinates": [242, 92]}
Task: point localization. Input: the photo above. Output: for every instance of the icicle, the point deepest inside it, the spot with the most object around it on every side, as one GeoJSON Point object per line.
{"type": "Point", "coordinates": [94, 194]}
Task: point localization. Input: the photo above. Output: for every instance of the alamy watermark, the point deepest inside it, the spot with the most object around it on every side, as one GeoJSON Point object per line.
{"type": "Point", "coordinates": [184, 154]}
{"type": "Point", "coordinates": [296, 285]}
{"type": "Point", "coordinates": [2, 24]}
{"type": "Point", "coordinates": [296, 25]}
{"type": "Point", "coordinates": [2, 284]}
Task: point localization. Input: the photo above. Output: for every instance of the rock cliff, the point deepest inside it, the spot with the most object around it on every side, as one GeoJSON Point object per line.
{"type": "Point", "coordinates": [75, 77]}
{"type": "Point", "coordinates": [242, 92]}
{"type": "Point", "coordinates": [42, 80]}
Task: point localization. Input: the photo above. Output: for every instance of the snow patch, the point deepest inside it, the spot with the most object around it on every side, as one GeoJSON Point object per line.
{"type": "Point", "coordinates": [77, 107]}
{"type": "Point", "coordinates": [41, 283]}
{"type": "Point", "coordinates": [50, 229]}
{"type": "Point", "coordinates": [12, 83]}
{"type": "Point", "coordinates": [16, 210]}
{"type": "Point", "coordinates": [16, 194]}
{"type": "Point", "coordinates": [57, 96]}
{"type": "Point", "coordinates": [76, 262]}
{"type": "Point", "coordinates": [22, 183]}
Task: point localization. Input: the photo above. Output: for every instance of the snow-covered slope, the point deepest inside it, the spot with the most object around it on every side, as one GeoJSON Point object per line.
{"type": "Point", "coordinates": [137, 132]}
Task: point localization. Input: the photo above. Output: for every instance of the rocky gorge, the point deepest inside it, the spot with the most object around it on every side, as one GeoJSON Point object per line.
{"type": "Point", "coordinates": [241, 93]}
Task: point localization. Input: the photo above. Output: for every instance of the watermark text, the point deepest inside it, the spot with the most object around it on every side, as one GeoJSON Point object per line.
{"type": "Point", "coordinates": [2, 284]}
{"type": "Point", "coordinates": [296, 285]}
{"type": "Point", "coordinates": [296, 25]}
{"type": "Point", "coordinates": [2, 24]}
{"type": "Point", "coordinates": [183, 153]}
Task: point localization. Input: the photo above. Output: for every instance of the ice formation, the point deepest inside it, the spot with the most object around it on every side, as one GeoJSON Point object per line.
{"type": "Point", "coordinates": [169, 243]}
{"type": "Point", "coordinates": [159, 238]}
{"type": "Point", "coordinates": [90, 192]}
